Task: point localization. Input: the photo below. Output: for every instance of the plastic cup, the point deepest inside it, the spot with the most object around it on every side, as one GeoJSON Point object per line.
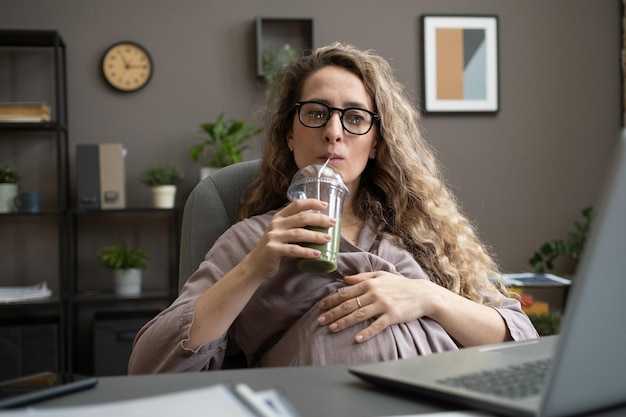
{"type": "Point", "coordinates": [326, 184]}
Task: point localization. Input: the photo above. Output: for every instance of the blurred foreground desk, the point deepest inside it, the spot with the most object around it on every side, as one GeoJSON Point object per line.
{"type": "Point", "coordinates": [315, 391]}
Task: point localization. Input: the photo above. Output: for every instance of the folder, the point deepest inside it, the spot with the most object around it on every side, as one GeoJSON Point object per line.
{"type": "Point", "coordinates": [87, 177]}
{"type": "Point", "coordinates": [100, 176]}
{"type": "Point", "coordinates": [112, 176]}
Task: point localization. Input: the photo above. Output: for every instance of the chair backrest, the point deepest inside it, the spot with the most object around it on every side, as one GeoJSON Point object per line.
{"type": "Point", "coordinates": [211, 208]}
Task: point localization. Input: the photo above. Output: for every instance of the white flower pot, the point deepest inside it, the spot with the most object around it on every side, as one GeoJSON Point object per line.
{"type": "Point", "coordinates": [8, 192]}
{"type": "Point", "coordinates": [128, 282]}
{"type": "Point", "coordinates": [164, 196]}
{"type": "Point", "coordinates": [206, 171]}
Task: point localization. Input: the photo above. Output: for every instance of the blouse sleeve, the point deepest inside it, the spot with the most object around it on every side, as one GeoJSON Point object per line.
{"type": "Point", "coordinates": [519, 325]}
{"type": "Point", "coordinates": [159, 345]}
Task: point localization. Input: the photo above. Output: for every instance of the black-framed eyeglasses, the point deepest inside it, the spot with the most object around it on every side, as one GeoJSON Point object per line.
{"type": "Point", "coordinates": [354, 120]}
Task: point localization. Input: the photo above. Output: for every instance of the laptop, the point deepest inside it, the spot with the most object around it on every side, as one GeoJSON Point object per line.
{"type": "Point", "coordinates": [585, 364]}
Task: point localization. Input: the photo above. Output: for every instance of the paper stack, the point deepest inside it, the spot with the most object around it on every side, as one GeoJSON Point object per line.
{"type": "Point", "coordinates": [24, 112]}
{"type": "Point", "coordinates": [17, 294]}
{"type": "Point", "coordinates": [531, 279]}
{"type": "Point", "coordinates": [224, 400]}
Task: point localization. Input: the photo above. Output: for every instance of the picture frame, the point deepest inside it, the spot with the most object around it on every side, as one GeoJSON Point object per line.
{"type": "Point", "coordinates": [460, 64]}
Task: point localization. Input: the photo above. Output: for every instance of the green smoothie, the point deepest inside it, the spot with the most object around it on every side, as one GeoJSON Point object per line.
{"type": "Point", "coordinates": [327, 261]}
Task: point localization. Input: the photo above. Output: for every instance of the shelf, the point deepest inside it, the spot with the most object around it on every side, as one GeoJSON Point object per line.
{"type": "Point", "coordinates": [43, 213]}
{"type": "Point", "coordinates": [155, 230]}
{"type": "Point", "coordinates": [24, 312]}
{"type": "Point", "coordinates": [127, 210]}
{"type": "Point", "coordinates": [51, 301]}
{"type": "Point", "coordinates": [272, 32]}
{"type": "Point", "coordinates": [30, 38]}
{"type": "Point", "coordinates": [46, 170]}
{"type": "Point", "coordinates": [101, 296]}
{"type": "Point", "coordinates": [32, 127]}
{"type": "Point", "coordinates": [67, 239]}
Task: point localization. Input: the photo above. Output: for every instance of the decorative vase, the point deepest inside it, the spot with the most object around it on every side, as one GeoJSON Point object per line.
{"type": "Point", "coordinates": [164, 196]}
{"type": "Point", "coordinates": [128, 282]}
{"type": "Point", "coordinates": [8, 192]}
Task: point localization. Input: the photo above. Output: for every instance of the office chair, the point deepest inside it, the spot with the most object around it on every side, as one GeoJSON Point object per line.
{"type": "Point", "coordinates": [210, 209]}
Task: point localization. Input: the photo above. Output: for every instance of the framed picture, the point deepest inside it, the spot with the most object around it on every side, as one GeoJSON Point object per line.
{"type": "Point", "coordinates": [460, 59]}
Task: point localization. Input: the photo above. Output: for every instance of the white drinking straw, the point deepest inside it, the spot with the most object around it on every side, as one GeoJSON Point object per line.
{"type": "Point", "coordinates": [319, 175]}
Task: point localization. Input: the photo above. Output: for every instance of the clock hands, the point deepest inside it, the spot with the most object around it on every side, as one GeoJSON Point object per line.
{"type": "Point", "coordinates": [123, 59]}
{"type": "Point", "coordinates": [128, 65]}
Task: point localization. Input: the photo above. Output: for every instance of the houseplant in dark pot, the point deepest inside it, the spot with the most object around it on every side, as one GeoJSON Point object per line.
{"type": "Point", "coordinates": [226, 141]}
{"type": "Point", "coordinates": [128, 264]}
{"type": "Point", "coordinates": [9, 177]}
{"type": "Point", "coordinates": [163, 178]}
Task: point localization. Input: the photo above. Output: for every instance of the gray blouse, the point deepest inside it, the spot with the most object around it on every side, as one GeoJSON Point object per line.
{"type": "Point", "coordinates": [278, 326]}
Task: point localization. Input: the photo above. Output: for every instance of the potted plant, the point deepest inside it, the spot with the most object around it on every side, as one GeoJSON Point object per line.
{"type": "Point", "coordinates": [9, 176]}
{"type": "Point", "coordinates": [543, 260]}
{"type": "Point", "coordinates": [558, 249]}
{"type": "Point", "coordinates": [275, 60]}
{"type": "Point", "coordinates": [225, 143]}
{"type": "Point", "coordinates": [163, 179]}
{"type": "Point", "coordinates": [127, 263]}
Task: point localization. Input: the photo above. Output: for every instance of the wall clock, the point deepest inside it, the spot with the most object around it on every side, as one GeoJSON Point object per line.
{"type": "Point", "coordinates": [127, 66]}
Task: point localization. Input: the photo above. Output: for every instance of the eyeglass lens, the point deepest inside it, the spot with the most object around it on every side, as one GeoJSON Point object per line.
{"type": "Point", "coordinates": [354, 120]}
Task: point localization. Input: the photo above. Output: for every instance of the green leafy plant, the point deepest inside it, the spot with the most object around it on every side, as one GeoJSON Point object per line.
{"type": "Point", "coordinates": [162, 174]}
{"type": "Point", "coordinates": [275, 60]}
{"type": "Point", "coordinates": [546, 324]}
{"type": "Point", "coordinates": [9, 175]}
{"type": "Point", "coordinates": [226, 142]}
{"type": "Point", "coordinates": [571, 248]}
{"type": "Point", "coordinates": [124, 257]}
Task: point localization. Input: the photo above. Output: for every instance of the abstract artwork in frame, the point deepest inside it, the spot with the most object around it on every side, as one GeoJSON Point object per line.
{"type": "Point", "coordinates": [460, 64]}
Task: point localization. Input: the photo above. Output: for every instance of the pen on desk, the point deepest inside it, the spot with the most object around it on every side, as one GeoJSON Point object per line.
{"type": "Point", "coordinates": [249, 396]}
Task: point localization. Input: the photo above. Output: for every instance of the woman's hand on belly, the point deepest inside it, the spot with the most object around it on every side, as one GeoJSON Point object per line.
{"type": "Point", "coordinates": [380, 296]}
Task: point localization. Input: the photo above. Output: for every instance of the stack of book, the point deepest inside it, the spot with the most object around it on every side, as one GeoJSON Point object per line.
{"type": "Point", "coordinates": [24, 112]}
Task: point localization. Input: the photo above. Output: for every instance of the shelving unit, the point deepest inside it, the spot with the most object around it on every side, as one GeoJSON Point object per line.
{"type": "Point", "coordinates": [93, 297]}
{"type": "Point", "coordinates": [272, 32]}
{"type": "Point", "coordinates": [35, 58]}
{"type": "Point", "coordinates": [64, 240]}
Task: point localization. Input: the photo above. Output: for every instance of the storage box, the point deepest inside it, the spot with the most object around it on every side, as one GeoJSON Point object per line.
{"type": "Point", "coordinates": [114, 333]}
{"type": "Point", "coordinates": [28, 346]}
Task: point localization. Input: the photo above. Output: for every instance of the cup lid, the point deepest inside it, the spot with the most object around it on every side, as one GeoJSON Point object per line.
{"type": "Point", "coordinates": [315, 173]}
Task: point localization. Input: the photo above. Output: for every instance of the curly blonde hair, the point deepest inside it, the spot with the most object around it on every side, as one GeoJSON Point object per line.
{"type": "Point", "coordinates": [402, 190]}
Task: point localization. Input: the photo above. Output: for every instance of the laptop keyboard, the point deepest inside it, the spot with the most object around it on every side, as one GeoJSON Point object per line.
{"type": "Point", "coordinates": [513, 382]}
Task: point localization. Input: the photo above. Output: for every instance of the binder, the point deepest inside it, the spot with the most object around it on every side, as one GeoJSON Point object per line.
{"type": "Point", "coordinates": [112, 176]}
{"type": "Point", "coordinates": [87, 177]}
{"type": "Point", "coordinates": [100, 176]}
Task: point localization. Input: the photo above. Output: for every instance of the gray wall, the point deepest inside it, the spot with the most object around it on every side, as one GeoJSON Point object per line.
{"type": "Point", "coordinates": [522, 175]}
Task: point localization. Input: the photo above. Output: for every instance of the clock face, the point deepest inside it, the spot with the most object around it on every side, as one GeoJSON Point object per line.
{"type": "Point", "coordinates": [127, 66]}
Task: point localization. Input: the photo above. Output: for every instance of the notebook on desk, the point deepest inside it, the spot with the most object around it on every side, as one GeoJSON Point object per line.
{"type": "Point", "coordinates": [585, 366]}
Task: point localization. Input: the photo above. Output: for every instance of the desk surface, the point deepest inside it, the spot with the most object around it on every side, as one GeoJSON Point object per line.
{"type": "Point", "coordinates": [315, 391]}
